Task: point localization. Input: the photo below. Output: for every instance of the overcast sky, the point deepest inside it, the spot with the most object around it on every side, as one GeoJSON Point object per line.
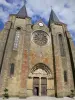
{"type": "Point", "coordinates": [64, 9]}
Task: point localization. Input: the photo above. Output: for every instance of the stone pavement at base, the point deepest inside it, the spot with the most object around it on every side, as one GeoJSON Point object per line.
{"type": "Point", "coordinates": [41, 98]}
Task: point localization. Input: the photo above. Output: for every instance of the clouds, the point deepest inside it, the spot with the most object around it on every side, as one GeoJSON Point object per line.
{"type": "Point", "coordinates": [9, 7]}
{"type": "Point", "coordinates": [3, 14]}
{"type": "Point", "coordinates": [1, 24]}
{"type": "Point", "coordinates": [64, 9]}
{"type": "Point", "coordinates": [3, 2]}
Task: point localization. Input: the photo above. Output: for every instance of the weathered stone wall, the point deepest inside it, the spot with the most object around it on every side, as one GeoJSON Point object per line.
{"type": "Point", "coordinates": [14, 83]}
{"type": "Point", "coordinates": [28, 54]}
{"type": "Point", "coordinates": [42, 54]}
{"type": "Point", "coordinates": [3, 42]}
{"type": "Point", "coordinates": [58, 62]}
{"type": "Point", "coordinates": [62, 63]}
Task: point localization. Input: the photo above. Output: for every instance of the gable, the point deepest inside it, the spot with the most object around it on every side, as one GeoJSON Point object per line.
{"type": "Point", "coordinates": [40, 25]}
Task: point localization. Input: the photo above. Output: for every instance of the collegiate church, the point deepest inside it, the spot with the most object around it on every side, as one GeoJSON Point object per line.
{"type": "Point", "coordinates": [36, 59]}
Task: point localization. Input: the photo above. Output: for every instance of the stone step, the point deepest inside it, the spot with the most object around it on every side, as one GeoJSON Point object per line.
{"type": "Point", "coordinates": [40, 98]}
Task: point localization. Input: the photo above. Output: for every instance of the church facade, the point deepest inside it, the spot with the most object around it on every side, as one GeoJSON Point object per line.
{"type": "Point", "coordinates": [36, 59]}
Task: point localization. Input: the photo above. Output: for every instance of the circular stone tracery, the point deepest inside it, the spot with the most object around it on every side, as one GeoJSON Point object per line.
{"type": "Point", "coordinates": [40, 37]}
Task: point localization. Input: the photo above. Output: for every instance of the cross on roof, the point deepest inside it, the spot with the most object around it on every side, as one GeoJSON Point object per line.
{"type": "Point", "coordinates": [51, 7]}
{"type": "Point", "coordinates": [24, 2]}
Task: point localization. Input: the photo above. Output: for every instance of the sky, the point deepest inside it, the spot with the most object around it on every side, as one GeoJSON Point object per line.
{"type": "Point", "coordinates": [36, 9]}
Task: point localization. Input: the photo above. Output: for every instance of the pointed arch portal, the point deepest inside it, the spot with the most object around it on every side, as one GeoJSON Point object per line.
{"type": "Point", "coordinates": [38, 80]}
{"type": "Point", "coordinates": [40, 69]}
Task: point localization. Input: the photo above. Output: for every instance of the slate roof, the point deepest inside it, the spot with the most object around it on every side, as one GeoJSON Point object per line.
{"type": "Point", "coordinates": [22, 13]}
{"type": "Point", "coordinates": [53, 17]}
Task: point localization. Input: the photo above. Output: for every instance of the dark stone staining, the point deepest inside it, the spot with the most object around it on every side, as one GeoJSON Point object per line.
{"type": "Point", "coordinates": [5, 48]}
{"type": "Point", "coordinates": [71, 59]}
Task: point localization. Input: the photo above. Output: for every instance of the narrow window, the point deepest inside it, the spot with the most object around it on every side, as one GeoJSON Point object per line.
{"type": "Point", "coordinates": [62, 51]}
{"type": "Point", "coordinates": [0, 68]}
{"type": "Point", "coordinates": [65, 76]}
{"type": "Point", "coordinates": [12, 69]}
{"type": "Point", "coordinates": [16, 41]}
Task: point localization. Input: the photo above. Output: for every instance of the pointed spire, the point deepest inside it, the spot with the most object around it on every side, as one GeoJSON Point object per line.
{"type": "Point", "coordinates": [24, 2]}
{"type": "Point", "coordinates": [23, 12]}
{"type": "Point", "coordinates": [53, 17]}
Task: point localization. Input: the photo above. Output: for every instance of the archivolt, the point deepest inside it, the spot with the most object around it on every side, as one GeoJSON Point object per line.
{"type": "Point", "coordinates": [41, 66]}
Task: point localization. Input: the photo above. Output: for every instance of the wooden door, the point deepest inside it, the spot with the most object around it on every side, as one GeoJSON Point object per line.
{"type": "Point", "coordinates": [36, 86]}
{"type": "Point", "coordinates": [43, 86]}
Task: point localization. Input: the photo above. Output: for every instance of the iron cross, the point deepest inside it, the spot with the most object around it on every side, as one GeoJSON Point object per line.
{"type": "Point", "coordinates": [24, 2]}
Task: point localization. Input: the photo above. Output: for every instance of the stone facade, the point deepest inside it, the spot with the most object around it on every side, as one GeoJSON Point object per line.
{"type": "Point", "coordinates": [35, 61]}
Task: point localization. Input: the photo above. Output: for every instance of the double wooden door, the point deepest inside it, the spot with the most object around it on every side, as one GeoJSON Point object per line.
{"type": "Point", "coordinates": [39, 86]}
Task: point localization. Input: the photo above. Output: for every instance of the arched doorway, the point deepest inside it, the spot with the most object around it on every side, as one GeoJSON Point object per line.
{"type": "Point", "coordinates": [39, 82]}
{"type": "Point", "coordinates": [38, 78]}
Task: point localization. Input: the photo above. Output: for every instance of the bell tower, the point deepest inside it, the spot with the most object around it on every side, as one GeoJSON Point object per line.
{"type": "Point", "coordinates": [22, 21]}
{"type": "Point", "coordinates": [14, 56]}
{"type": "Point", "coordinates": [61, 55]}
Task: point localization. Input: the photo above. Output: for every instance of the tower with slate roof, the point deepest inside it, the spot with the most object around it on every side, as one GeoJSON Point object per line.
{"type": "Point", "coordinates": [36, 60]}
